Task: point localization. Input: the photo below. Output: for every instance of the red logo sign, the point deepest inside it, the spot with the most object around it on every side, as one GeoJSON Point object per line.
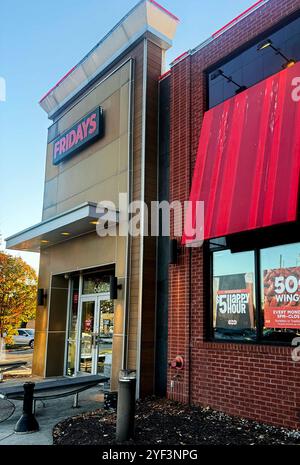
{"type": "Point", "coordinates": [79, 136]}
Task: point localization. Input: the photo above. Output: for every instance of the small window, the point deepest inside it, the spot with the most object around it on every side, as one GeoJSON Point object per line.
{"type": "Point", "coordinates": [30, 332]}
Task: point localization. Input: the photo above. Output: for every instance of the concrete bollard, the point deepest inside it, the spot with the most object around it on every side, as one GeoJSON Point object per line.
{"type": "Point", "coordinates": [126, 405]}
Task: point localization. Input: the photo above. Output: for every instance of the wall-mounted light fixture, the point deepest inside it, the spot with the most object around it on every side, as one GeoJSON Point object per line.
{"type": "Point", "coordinates": [289, 62]}
{"type": "Point", "coordinates": [41, 296]}
{"type": "Point", "coordinates": [220, 72]}
{"type": "Point", "coordinates": [174, 252]}
{"type": "Point", "coordinates": [114, 287]}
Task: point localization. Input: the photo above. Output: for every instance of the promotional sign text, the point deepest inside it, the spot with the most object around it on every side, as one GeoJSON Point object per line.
{"type": "Point", "coordinates": [282, 298]}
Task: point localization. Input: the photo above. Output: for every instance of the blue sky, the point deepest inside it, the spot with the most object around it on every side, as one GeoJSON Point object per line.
{"type": "Point", "coordinates": [39, 42]}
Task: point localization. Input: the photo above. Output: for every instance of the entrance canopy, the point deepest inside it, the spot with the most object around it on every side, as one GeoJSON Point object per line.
{"type": "Point", "coordinates": [248, 161]}
{"type": "Point", "coordinates": [82, 219]}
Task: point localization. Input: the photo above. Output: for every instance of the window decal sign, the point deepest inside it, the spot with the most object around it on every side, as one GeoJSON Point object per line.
{"type": "Point", "coordinates": [282, 298]}
{"type": "Point", "coordinates": [234, 302]}
{"type": "Point", "coordinates": [75, 139]}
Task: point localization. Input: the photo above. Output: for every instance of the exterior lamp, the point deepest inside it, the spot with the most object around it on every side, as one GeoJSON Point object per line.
{"type": "Point", "coordinates": [289, 62]}
{"type": "Point", "coordinates": [114, 287]}
{"type": "Point", "coordinates": [41, 296]}
{"type": "Point", "coordinates": [220, 72]}
{"type": "Point", "coordinates": [267, 43]}
{"type": "Point", "coordinates": [174, 252]}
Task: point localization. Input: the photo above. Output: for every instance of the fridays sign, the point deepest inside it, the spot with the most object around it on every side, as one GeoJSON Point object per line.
{"type": "Point", "coordinates": [75, 139]}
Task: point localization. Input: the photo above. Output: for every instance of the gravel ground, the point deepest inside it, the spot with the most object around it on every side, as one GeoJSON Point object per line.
{"type": "Point", "coordinates": [160, 421]}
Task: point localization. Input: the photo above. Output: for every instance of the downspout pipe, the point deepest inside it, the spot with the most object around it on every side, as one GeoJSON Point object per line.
{"type": "Point", "coordinates": [190, 251]}
{"type": "Point", "coordinates": [142, 223]}
{"type": "Point", "coordinates": [124, 364]}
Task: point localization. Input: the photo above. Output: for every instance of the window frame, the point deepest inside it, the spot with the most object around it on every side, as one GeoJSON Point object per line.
{"type": "Point", "coordinates": [259, 340]}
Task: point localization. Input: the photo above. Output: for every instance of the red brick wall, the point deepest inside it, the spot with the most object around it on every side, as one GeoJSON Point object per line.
{"type": "Point", "coordinates": [259, 382]}
{"type": "Point", "coordinates": [180, 179]}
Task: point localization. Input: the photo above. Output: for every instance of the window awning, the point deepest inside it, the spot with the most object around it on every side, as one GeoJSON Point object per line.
{"type": "Point", "coordinates": [248, 161]}
{"type": "Point", "coordinates": [73, 223]}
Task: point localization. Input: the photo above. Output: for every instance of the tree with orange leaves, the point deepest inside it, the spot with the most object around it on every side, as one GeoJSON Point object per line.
{"type": "Point", "coordinates": [18, 287]}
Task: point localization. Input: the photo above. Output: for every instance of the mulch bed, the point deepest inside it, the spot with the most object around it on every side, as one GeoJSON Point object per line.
{"type": "Point", "coordinates": [161, 421]}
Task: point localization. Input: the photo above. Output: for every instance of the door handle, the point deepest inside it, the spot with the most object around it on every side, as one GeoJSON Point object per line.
{"type": "Point", "coordinates": [95, 339]}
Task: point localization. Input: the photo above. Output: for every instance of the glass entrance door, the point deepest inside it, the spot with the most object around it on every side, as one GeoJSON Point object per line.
{"type": "Point", "coordinates": [95, 336]}
{"type": "Point", "coordinates": [87, 335]}
{"type": "Point", "coordinates": [105, 332]}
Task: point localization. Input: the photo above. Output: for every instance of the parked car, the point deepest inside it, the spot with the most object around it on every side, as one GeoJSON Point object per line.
{"type": "Point", "coordinates": [25, 337]}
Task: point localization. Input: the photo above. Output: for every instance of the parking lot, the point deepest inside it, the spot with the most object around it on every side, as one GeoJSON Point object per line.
{"type": "Point", "coordinates": [14, 355]}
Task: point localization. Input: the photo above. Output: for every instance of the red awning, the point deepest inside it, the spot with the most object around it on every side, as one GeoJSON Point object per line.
{"type": "Point", "coordinates": [248, 161]}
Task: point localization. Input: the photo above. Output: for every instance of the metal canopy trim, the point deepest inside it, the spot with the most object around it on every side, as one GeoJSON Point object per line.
{"type": "Point", "coordinates": [146, 16]}
{"type": "Point", "coordinates": [61, 228]}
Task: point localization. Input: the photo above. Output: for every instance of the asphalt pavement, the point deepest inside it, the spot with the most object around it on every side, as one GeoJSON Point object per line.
{"type": "Point", "coordinates": [18, 354]}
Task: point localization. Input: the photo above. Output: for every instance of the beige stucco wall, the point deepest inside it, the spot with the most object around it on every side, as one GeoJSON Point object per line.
{"type": "Point", "coordinates": [97, 173]}
{"type": "Point", "coordinates": [100, 171]}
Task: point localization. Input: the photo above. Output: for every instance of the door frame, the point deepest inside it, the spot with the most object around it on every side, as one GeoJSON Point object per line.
{"type": "Point", "coordinates": [97, 298]}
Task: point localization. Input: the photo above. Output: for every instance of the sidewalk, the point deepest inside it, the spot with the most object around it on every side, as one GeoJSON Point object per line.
{"type": "Point", "coordinates": [55, 411]}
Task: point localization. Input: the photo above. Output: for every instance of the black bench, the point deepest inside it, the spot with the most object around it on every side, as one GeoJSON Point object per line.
{"type": "Point", "coordinates": [30, 393]}
{"type": "Point", "coordinates": [8, 366]}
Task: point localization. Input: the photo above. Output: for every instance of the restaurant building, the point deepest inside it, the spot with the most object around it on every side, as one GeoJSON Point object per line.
{"type": "Point", "coordinates": [234, 143]}
{"type": "Point", "coordinates": [214, 325]}
{"type": "Point", "coordinates": [102, 142]}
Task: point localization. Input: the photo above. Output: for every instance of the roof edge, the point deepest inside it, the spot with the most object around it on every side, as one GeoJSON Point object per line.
{"type": "Point", "coordinates": [164, 10]}
{"type": "Point", "coordinates": [220, 31]}
{"type": "Point", "coordinates": [106, 36]}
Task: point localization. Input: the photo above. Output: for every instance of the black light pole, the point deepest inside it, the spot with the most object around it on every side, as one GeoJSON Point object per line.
{"type": "Point", "coordinates": [126, 388]}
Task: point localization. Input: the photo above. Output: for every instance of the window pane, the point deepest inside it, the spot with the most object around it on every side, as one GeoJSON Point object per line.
{"type": "Point", "coordinates": [72, 332]}
{"type": "Point", "coordinates": [234, 296]}
{"type": "Point", "coordinates": [87, 330]}
{"type": "Point", "coordinates": [95, 284]}
{"type": "Point", "coordinates": [106, 330]}
{"type": "Point", "coordinates": [280, 281]}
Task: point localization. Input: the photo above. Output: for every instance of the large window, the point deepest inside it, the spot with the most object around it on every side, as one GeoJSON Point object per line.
{"type": "Point", "coordinates": [252, 65]}
{"type": "Point", "coordinates": [256, 294]}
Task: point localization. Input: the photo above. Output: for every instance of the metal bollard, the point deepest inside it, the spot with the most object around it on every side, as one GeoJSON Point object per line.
{"type": "Point", "coordinates": [27, 423]}
{"type": "Point", "coordinates": [126, 405]}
